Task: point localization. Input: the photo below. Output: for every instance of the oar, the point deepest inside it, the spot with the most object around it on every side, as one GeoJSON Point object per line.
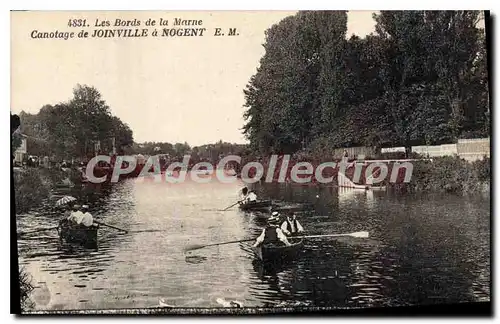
{"type": "Point", "coordinates": [231, 206]}
{"type": "Point", "coordinates": [38, 230]}
{"type": "Point", "coordinates": [355, 234]}
{"type": "Point", "coordinates": [201, 246]}
{"type": "Point", "coordinates": [120, 229]}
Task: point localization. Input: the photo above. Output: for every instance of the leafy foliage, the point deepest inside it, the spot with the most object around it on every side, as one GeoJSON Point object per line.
{"type": "Point", "coordinates": [25, 289]}
{"type": "Point", "coordinates": [178, 150]}
{"type": "Point", "coordinates": [31, 187]}
{"type": "Point", "coordinates": [450, 174]}
{"type": "Point", "coordinates": [71, 129]}
{"type": "Point", "coordinates": [421, 78]}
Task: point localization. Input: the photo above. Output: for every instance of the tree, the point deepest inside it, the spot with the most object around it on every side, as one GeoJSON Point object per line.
{"type": "Point", "coordinates": [71, 129]}
{"type": "Point", "coordinates": [181, 148]}
{"type": "Point", "coordinates": [421, 78]}
{"type": "Point", "coordinates": [281, 96]}
{"type": "Point", "coordinates": [432, 52]}
{"type": "Point", "coordinates": [122, 133]}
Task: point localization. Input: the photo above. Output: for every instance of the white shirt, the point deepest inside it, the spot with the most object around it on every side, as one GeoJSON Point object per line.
{"type": "Point", "coordinates": [76, 216]}
{"type": "Point", "coordinates": [279, 232]}
{"type": "Point", "coordinates": [251, 197]}
{"type": "Point", "coordinates": [299, 228]}
{"type": "Point", "coordinates": [87, 219]}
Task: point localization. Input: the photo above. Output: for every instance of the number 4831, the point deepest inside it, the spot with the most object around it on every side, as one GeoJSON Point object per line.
{"type": "Point", "coordinates": [77, 23]}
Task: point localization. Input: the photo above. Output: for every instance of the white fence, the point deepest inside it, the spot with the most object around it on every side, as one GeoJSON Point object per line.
{"type": "Point", "coordinates": [354, 151]}
{"type": "Point", "coordinates": [468, 149]}
{"type": "Point", "coordinates": [436, 150]}
{"type": "Point", "coordinates": [473, 149]}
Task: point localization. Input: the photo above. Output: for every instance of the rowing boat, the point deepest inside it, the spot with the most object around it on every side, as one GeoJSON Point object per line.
{"type": "Point", "coordinates": [262, 205]}
{"type": "Point", "coordinates": [273, 253]}
{"type": "Point", "coordinates": [78, 234]}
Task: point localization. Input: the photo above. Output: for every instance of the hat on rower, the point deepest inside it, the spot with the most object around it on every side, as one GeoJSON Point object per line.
{"type": "Point", "coordinates": [275, 214]}
{"type": "Point", "coordinates": [273, 220]}
{"type": "Point", "coordinates": [85, 207]}
{"type": "Point", "coordinates": [236, 304]}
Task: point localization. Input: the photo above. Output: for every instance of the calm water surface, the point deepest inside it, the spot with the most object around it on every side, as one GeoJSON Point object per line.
{"type": "Point", "coordinates": [422, 250]}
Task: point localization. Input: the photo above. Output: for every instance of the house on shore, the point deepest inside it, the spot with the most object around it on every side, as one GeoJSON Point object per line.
{"type": "Point", "coordinates": [22, 150]}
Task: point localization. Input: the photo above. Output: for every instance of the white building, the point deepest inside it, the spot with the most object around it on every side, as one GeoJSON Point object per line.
{"type": "Point", "coordinates": [22, 150]}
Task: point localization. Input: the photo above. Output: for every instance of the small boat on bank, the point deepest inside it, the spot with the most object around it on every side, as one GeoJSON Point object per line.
{"type": "Point", "coordinates": [78, 234]}
{"type": "Point", "coordinates": [273, 253]}
{"type": "Point", "coordinates": [262, 205]}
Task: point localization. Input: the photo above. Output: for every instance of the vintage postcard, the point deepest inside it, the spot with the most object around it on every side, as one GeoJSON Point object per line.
{"type": "Point", "coordinates": [250, 162]}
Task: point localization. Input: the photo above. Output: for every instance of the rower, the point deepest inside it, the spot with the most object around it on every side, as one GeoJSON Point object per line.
{"type": "Point", "coordinates": [67, 210]}
{"type": "Point", "coordinates": [292, 225]}
{"type": "Point", "coordinates": [272, 234]}
{"type": "Point", "coordinates": [248, 196]}
{"type": "Point", "coordinates": [75, 215]}
{"type": "Point", "coordinates": [251, 197]}
{"type": "Point", "coordinates": [87, 219]}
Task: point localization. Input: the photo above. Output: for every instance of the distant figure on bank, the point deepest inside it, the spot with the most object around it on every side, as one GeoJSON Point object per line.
{"type": "Point", "coordinates": [75, 215]}
{"type": "Point", "coordinates": [292, 225]}
{"type": "Point", "coordinates": [247, 196]}
{"type": "Point", "coordinates": [272, 234]}
{"type": "Point", "coordinates": [87, 219]}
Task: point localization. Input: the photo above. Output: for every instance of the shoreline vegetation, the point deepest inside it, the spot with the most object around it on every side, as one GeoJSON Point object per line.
{"type": "Point", "coordinates": [452, 175]}
{"type": "Point", "coordinates": [34, 185]}
{"type": "Point", "coordinates": [25, 289]}
{"type": "Point", "coordinates": [449, 174]}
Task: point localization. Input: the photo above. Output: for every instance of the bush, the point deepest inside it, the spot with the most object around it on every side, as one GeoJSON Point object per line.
{"type": "Point", "coordinates": [25, 289]}
{"type": "Point", "coordinates": [483, 169]}
{"type": "Point", "coordinates": [450, 174]}
{"type": "Point", "coordinates": [31, 187]}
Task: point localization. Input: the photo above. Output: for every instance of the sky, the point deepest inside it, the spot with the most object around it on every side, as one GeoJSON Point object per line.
{"type": "Point", "coordinates": [184, 89]}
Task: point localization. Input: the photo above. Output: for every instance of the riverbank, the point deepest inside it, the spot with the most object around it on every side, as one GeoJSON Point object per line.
{"type": "Point", "coordinates": [451, 174]}
{"type": "Point", "coordinates": [441, 174]}
{"type": "Point", "coordinates": [25, 289]}
{"type": "Point", "coordinates": [33, 185]}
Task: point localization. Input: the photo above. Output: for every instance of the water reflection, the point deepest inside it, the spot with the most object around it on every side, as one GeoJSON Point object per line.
{"type": "Point", "coordinates": [422, 249]}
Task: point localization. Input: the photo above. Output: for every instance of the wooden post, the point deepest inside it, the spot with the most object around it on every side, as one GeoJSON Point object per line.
{"type": "Point", "coordinates": [114, 143]}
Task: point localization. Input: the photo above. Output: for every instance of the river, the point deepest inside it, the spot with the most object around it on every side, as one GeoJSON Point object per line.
{"type": "Point", "coordinates": [422, 249]}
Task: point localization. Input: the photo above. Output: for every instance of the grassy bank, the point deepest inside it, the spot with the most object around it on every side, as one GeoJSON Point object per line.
{"type": "Point", "coordinates": [451, 174]}
{"type": "Point", "coordinates": [442, 174]}
{"type": "Point", "coordinates": [33, 185]}
{"type": "Point", "coordinates": [25, 289]}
